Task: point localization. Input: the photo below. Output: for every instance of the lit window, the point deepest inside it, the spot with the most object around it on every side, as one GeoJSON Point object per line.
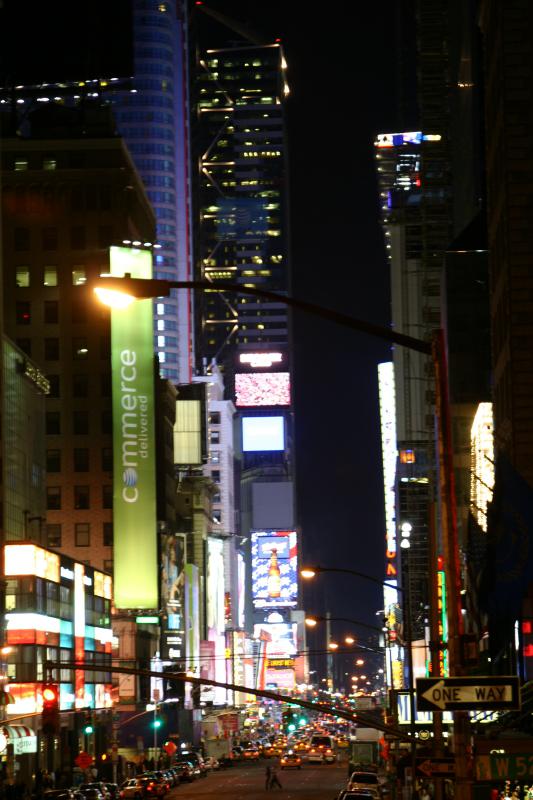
{"type": "Point", "coordinates": [160, 341]}
{"type": "Point", "coordinates": [49, 163]}
{"type": "Point", "coordinates": [50, 276]}
{"type": "Point", "coordinates": [160, 308]}
{"type": "Point", "coordinates": [160, 324]}
{"type": "Point", "coordinates": [78, 276]}
{"type": "Point", "coordinates": [23, 277]}
{"type": "Point", "coordinates": [21, 166]}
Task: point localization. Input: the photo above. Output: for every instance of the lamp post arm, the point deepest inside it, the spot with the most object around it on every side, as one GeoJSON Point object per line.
{"type": "Point", "coordinates": [146, 287]}
{"type": "Point", "coordinates": [357, 574]}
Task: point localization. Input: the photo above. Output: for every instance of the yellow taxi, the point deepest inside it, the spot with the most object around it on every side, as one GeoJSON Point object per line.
{"type": "Point", "coordinates": [250, 754]}
{"type": "Point", "coordinates": [301, 747]}
{"type": "Point", "coordinates": [272, 751]}
{"type": "Point", "coordinates": [290, 760]}
{"type": "Point", "coordinates": [342, 741]}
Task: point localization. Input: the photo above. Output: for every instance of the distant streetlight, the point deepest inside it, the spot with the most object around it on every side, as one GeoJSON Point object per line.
{"type": "Point", "coordinates": [360, 662]}
{"type": "Point", "coordinates": [333, 646]}
{"type": "Point", "coordinates": [349, 640]}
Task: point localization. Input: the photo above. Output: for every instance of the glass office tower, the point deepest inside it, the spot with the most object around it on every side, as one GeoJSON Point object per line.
{"type": "Point", "coordinates": [153, 119]}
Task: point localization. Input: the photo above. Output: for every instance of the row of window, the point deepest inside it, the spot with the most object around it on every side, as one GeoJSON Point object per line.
{"type": "Point", "coordinates": [80, 459]}
{"type": "Point", "coordinates": [82, 535]}
{"type": "Point", "coordinates": [80, 423]}
{"type": "Point", "coordinates": [78, 311]}
{"type": "Point", "coordinates": [80, 352]}
{"type": "Point", "coordinates": [82, 497]}
{"type": "Point", "coordinates": [80, 198]}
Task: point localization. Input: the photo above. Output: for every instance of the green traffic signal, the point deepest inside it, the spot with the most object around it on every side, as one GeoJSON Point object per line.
{"type": "Point", "coordinates": [88, 729]}
{"type": "Point", "coordinates": [291, 727]}
{"type": "Point", "coordinates": [156, 723]}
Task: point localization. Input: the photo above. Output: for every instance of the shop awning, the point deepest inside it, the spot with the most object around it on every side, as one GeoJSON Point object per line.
{"type": "Point", "coordinates": [21, 737]}
{"type": "Point", "coordinates": [14, 732]}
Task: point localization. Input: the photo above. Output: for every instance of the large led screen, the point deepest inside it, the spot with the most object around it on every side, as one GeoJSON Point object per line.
{"type": "Point", "coordinates": [263, 433]}
{"type": "Point", "coordinates": [262, 389]}
{"type": "Point", "coordinates": [274, 569]}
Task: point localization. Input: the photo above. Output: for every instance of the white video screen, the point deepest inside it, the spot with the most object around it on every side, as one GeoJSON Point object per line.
{"type": "Point", "coordinates": [263, 434]}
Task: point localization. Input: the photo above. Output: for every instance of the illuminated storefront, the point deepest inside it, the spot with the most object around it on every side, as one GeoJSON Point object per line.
{"type": "Point", "coordinates": [56, 610]}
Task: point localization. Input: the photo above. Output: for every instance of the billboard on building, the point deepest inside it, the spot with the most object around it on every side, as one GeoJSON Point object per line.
{"type": "Point", "coordinates": [261, 434]}
{"type": "Point", "coordinates": [280, 651]}
{"type": "Point", "coordinates": [262, 389]}
{"type": "Point", "coordinates": [173, 556]}
{"type": "Point", "coordinates": [274, 569]}
{"type": "Point", "coordinates": [134, 489]}
{"type": "Point", "coordinates": [192, 628]}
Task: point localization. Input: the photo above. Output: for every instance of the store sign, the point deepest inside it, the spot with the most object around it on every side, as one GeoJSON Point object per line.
{"type": "Point", "coordinates": [134, 498]}
{"type": "Point", "coordinates": [387, 412]}
{"type": "Point", "coordinates": [27, 744]}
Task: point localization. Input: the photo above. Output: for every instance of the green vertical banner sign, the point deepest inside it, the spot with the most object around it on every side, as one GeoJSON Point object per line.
{"type": "Point", "coordinates": [134, 485]}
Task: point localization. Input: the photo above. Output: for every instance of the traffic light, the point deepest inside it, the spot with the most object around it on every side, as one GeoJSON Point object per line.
{"type": "Point", "coordinates": [50, 712]}
{"type": "Point", "coordinates": [156, 723]}
{"type": "Point", "coordinates": [88, 727]}
{"type": "Point", "coordinates": [290, 720]}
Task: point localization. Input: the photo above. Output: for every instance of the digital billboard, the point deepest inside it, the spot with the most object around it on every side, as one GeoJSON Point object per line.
{"type": "Point", "coordinates": [280, 651]}
{"type": "Point", "coordinates": [134, 492]}
{"type": "Point", "coordinates": [261, 434]}
{"type": "Point", "coordinates": [262, 389]}
{"type": "Point", "coordinates": [260, 360]}
{"type": "Point", "coordinates": [274, 569]}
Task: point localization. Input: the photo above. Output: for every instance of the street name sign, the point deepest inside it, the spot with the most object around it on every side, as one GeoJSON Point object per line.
{"type": "Point", "coordinates": [490, 693]}
{"type": "Point", "coordinates": [436, 767]}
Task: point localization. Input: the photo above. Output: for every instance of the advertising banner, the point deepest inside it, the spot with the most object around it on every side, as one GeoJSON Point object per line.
{"type": "Point", "coordinates": [173, 596]}
{"type": "Point", "coordinates": [134, 491]}
{"type": "Point", "coordinates": [274, 569]}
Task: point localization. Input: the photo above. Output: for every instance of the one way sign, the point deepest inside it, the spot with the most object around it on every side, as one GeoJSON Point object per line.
{"type": "Point", "coordinates": [468, 694]}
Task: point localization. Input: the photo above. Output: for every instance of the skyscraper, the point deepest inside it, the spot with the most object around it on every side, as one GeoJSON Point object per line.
{"type": "Point", "coordinates": [153, 119]}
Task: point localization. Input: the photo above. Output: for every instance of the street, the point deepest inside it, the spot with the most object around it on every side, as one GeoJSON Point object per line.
{"type": "Point", "coordinates": [247, 782]}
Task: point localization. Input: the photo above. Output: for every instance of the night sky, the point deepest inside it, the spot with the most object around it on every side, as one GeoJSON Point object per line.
{"type": "Point", "coordinates": [345, 85]}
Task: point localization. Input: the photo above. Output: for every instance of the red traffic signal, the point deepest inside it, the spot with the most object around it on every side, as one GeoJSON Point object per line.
{"type": "Point", "coordinates": [50, 712]}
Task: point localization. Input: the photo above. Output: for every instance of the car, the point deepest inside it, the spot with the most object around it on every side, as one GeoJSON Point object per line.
{"type": "Point", "coordinates": [250, 754]}
{"type": "Point", "coordinates": [185, 771]}
{"type": "Point", "coordinates": [212, 763]}
{"type": "Point", "coordinates": [141, 787]}
{"type": "Point", "coordinates": [289, 760]}
{"type": "Point", "coordinates": [93, 794]}
{"type": "Point", "coordinates": [113, 790]}
{"type": "Point", "coordinates": [59, 794]}
{"type": "Point", "coordinates": [321, 744]}
{"type": "Point", "coordinates": [367, 781]}
{"type": "Point", "coordinates": [197, 762]}
{"type": "Point", "coordinates": [99, 785]}
{"type": "Point", "coordinates": [356, 794]}
{"type": "Point", "coordinates": [301, 747]}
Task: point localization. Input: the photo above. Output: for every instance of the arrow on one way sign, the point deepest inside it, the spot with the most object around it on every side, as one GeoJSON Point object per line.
{"type": "Point", "coordinates": [487, 693]}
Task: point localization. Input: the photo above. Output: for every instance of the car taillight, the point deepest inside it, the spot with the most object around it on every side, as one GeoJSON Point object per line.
{"type": "Point", "coordinates": [328, 751]}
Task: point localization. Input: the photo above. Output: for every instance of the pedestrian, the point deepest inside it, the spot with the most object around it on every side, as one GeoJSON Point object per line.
{"type": "Point", "coordinates": [274, 780]}
{"type": "Point", "coordinates": [268, 777]}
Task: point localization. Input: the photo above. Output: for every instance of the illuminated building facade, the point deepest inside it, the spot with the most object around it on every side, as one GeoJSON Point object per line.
{"type": "Point", "coordinates": [57, 609]}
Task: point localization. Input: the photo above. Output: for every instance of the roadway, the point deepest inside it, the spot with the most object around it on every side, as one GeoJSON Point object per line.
{"type": "Point", "coordinates": [247, 782]}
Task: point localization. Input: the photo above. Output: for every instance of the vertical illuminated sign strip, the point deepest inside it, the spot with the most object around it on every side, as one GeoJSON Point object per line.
{"type": "Point", "coordinates": [134, 489]}
{"type": "Point", "coordinates": [387, 413]}
{"type": "Point", "coordinates": [79, 634]}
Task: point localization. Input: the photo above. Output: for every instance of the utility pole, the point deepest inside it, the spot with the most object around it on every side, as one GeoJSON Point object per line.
{"type": "Point", "coordinates": [329, 657]}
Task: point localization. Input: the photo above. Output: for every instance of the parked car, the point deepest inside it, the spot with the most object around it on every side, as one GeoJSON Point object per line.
{"type": "Point", "coordinates": [212, 763]}
{"type": "Point", "coordinates": [185, 771]}
{"type": "Point", "coordinates": [196, 760]}
{"type": "Point", "coordinates": [100, 785]}
{"type": "Point", "coordinates": [59, 794]}
{"type": "Point", "coordinates": [93, 794]}
{"type": "Point", "coordinates": [140, 788]}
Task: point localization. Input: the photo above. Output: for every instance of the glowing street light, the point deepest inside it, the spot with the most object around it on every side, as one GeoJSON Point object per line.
{"type": "Point", "coordinates": [311, 622]}
{"type": "Point", "coordinates": [360, 662]}
{"type": "Point", "coordinates": [349, 640]}
{"type": "Point", "coordinates": [333, 646]}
